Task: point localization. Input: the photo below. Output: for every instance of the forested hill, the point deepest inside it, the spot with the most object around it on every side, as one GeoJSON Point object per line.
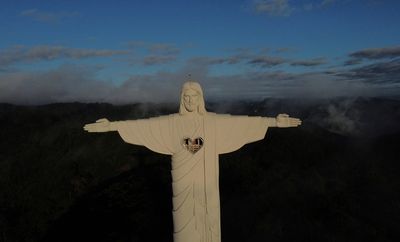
{"type": "Point", "coordinates": [335, 178]}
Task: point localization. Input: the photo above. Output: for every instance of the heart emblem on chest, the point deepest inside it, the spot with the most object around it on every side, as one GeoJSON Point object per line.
{"type": "Point", "coordinates": [193, 145]}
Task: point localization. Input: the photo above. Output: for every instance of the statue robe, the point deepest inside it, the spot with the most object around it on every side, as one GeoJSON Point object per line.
{"type": "Point", "coordinates": [195, 177]}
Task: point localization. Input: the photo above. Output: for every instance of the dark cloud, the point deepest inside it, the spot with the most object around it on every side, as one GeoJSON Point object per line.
{"type": "Point", "coordinates": [167, 53]}
{"type": "Point", "coordinates": [382, 72]}
{"type": "Point", "coordinates": [377, 53]}
{"type": "Point", "coordinates": [160, 53]}
{"type": "Point", "coordinates": [154, 48]}
{"type": "Point", "coordinates": [205, 60]}
{"type": "Point", "coordinates": [40, 53]}
{"type": "Point", "coordinates": [163, 49]}
{"type": "Point", "coordinates": [47, 17]}
{"type": "Point", "coordinates": [353, 62]}
{"type": "Point", "coordinates": [158, 59]}
{"type": "Point", "coordinates": [240, 50]}
{"type": "Point", "coordinates": [312, 62]}
{"type": "Point", "coordinates": [260, 60]}
{"type": "Point", "coordinates": [255, 60]}
{"type": "Point", "coordinates": [154, 53]}
{"type": "Point", "coordinates": [267, 61]}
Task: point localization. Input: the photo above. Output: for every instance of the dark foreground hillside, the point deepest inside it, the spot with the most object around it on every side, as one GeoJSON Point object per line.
{"type": "Point", "coordinates": [336, 178]}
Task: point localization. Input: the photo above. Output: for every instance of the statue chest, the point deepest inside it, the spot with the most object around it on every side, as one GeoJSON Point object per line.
{"type": "Point", "coordinates": [190, 133]}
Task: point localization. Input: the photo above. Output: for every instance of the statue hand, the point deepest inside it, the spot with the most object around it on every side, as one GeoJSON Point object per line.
{"type": "Point", "coordinates": [101, 125]}
{"type": "Point", "coordinates": [283, 121]}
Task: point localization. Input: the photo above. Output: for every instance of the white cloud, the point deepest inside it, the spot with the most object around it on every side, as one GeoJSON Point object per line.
{"type": "Point", "coordinates": [64, 84]}
{"type": "Point", "coordinates": [47, 17]}
{"type": "Point", "coordinates": [325, 3]}
{"type": "Point", "coordinates": [273, 7]}
{"type": "Point", "coordinates": [286, 8]}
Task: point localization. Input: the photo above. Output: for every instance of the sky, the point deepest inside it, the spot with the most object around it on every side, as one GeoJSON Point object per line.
{"type": "Point", "coordinates": [143, 51]}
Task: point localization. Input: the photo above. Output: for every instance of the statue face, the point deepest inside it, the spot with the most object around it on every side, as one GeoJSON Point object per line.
{"type": "Point", "coordinates": [191, 100]}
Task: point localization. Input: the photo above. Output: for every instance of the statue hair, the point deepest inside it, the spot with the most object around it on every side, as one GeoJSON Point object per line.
{"type": "Point", "coordinates": [195, 86]}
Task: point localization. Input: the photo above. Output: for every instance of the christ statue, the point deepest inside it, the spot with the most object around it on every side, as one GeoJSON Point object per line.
{"type": "Point", "coordinates": [194, 138]}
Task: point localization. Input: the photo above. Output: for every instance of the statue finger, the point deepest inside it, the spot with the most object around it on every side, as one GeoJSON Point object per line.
{"type": "Point", "coordinates": [297, 121]}
{"type": "Point", "coordinates": [90, 127]}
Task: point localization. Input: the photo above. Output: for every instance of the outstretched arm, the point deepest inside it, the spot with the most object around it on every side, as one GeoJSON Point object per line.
{"type": "Point", "coordinates": [283, 121]}
{"type": "Point", "coordinates": [101, 125]}
{"type": "Point", "coordinates": [154, 133]}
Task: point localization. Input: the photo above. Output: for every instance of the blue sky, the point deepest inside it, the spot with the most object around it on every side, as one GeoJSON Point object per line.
{"type": "Point", "coordinates": [128, 51]}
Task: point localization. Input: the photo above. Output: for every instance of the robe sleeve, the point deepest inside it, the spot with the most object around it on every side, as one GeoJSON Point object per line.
{"type": "Point", "coordinates": [232, 132]}
{"type": "Point", "coordinates": [153, 133]}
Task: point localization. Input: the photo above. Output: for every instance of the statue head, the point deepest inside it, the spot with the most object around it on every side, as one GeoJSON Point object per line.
{"type": "Point", "coordinates": [192, 100]}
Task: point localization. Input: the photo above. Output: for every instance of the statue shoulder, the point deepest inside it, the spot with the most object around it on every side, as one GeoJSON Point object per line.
{"type": "Point", "coordinates": [220, 116]}
{"type": "Point", "coordinates": [164, 117]}
{"type": "Point", "coordinates": [211, 114]}
{"type": "Point", "coordinates": [223, 115]}
{"type": "Point", "coordinates": [235, 117]}
{"type": "Point", "coordinates": [216, 115]}
{"type": "Point", "coordinates": [173, 115]}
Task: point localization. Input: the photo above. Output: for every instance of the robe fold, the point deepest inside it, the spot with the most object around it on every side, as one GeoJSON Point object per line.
{"type": "Point", "coordinates": [195, 176]}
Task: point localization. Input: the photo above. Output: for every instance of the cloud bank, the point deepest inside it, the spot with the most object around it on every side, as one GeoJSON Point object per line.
{"type": "Point", "coordinates": [18, 54]}
{"type": "Point", "coordinates": [70, 83]}
{"type": "Point", "coordinates": [377, 53]}
{"type": "Point", "coordinates": [77, 83]}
